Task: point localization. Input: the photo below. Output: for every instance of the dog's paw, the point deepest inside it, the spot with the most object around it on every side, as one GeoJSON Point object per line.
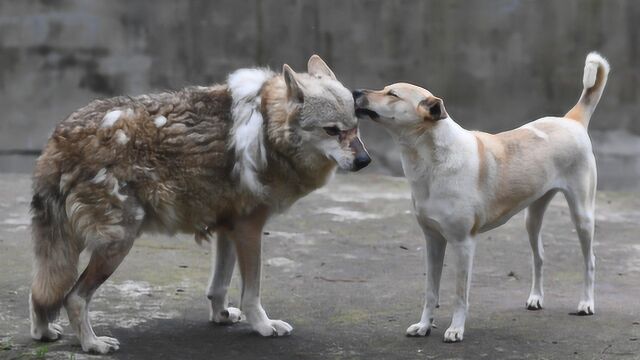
{"type": "Point", "coordinates": [50, 333]}
{"type": "Point", "coordinates": [419, 329]}
{"type": "Point", "coordinates": [453, 335]}
{"type": "Point", "coordinates": [227, 316]}
{"type": "Point", "coordinates": [101, 345]}
{"type": "Point", "coordinates": [585, 308]}
{"type": "Point", "coordinates": [273, 328]}
{"type": "Point", "coordinates": [535, 302]}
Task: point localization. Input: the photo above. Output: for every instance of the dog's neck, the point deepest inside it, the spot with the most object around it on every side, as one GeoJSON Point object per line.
{"type": "Point", "coordinates": [426, 151]}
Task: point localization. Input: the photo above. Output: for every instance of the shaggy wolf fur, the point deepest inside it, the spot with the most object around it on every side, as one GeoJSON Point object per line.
{"type": "Point", "coordinates": [467, 182]}
{"type": "Point", "coordinates": [203, 160]}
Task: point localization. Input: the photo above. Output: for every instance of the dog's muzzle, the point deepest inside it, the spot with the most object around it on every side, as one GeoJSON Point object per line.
{"type": "Point", "coordinates": [360, 100]}
{"type": "Point", "coordinates": [361, 158]}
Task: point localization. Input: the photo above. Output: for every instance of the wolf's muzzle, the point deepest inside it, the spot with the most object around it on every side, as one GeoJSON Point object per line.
{"type": "Point", "coordinates": [361, 158]}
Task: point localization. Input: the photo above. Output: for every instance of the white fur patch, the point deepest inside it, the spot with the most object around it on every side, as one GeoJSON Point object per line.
{"type": "Point", "coordinates": [593, 61]}
{"type": "Point", "coordinates": [121, 137]}
{"type": "Point", "coordinates": [116, 192]}
{"type": "Point", "coordinates": [160, 121]}
{"type": "Point", "coordinates": [100, 176]}
{"type": "Point", "coordinates": [247, 133]}
{"type": "Point", "coordinates": [139, 213]}
{"type": "Point", "coordinates": [111, 118]}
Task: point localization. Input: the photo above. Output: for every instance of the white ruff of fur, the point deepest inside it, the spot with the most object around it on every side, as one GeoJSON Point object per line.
{"type": "Point", "coordinates": [247, 134]}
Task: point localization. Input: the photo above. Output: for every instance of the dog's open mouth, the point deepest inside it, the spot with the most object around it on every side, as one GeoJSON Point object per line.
{"type": "Point", "coordinates": [362, 112]}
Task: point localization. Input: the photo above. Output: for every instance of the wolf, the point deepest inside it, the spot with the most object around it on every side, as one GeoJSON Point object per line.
{"type": "Point", "coordinates": [220, 159]}
{"type": "Point", "coordinates": [468, 182]}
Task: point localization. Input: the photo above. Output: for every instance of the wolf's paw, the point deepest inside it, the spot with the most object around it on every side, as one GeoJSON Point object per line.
{"type": "Point", "coordinates": [453, 335]}
{"type": "Point", "coordinates": [101, 345]}
{"type": "Point", "coordinates": [534, 302]}
{"type": "Point", "coordinates": [419, 329]}
{"type": "Point", "coordinates": [227, 316]}
{"type": "Point", "coordinates": [585, 308]}
{"type": "Point", "coordinates": [273, 328]}
{"type": "Point", "coordinates": [50, 333]}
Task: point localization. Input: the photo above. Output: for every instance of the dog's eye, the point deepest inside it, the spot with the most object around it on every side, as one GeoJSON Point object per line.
{"type": "Point", "coordinates": [332, 130]}
{"type": "Point", "coordinates": [392, 94]}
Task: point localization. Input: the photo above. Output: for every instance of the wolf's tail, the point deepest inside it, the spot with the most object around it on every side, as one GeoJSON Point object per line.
{"type": "Point", "coordinates": [56, 255]}
{"type": "Point", "coordinates": [596, 71]}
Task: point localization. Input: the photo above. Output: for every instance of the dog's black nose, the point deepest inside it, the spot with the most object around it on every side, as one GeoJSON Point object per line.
{"type": "Point", "coordinates": [357, 93]}
{"type": "Point", "coordinates": [361, 161]}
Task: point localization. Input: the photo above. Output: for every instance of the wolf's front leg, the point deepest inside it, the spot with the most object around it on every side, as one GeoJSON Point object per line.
{"type": "Point", "coordinates": [221, 272]}
{"type": "Point", "coordinates": [434, 250]}
{"type": "Point", "coordinates": [247, 235]}
{"type": "Point", "coordinates": [464, 251]}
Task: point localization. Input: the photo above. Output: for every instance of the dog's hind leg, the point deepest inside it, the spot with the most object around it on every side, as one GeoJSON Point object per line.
{"type": "Point", "coordinates": [247, 235]}
{"type": "Point", "coordinates": [435, 249]}
{"type": "Point", "coordinates": [581, 198]}
{"type": "Point", "coordinates": [533, 222]}
{"type": "Point", "coordinates": [221, 272]}
{"type": "Point", "coordinates": [464, 251]}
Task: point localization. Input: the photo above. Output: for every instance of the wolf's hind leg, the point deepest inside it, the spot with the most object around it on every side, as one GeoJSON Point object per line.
{"type": "Point", "coordinates": [221, 272]}
{"type": "Point", "coordinates": [109, 229]}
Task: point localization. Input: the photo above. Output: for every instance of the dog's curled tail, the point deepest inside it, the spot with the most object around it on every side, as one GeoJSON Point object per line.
{"type": "Point", "coordinates": [55, 258]}
{"type": "Point", "coordinates": [596, 71]}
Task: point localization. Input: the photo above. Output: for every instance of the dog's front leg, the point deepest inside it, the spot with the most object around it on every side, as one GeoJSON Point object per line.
{"type": "Point", "coordinates": [434, 260]}
{"type": "Point", "coordinates": [464, 251]}
{"type": "Point", "coordinates": [247, 235]}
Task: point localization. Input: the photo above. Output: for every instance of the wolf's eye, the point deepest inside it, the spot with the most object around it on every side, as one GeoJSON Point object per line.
{"type": "Point", "coordinates": [332, 130]}
{"type": "Point", "coordinates": [392, 94]}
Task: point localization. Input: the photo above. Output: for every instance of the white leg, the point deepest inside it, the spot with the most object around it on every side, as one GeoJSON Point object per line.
{"type": "Point", "coordinates": [222, 271]}
{"type": "Point", "coordinates": [248, 238]}
{"type": "Point", "coordinates": [533, 221]}
{"type": "Point", "coordinates": [464, 251]}
{"type": "Point", "coordinates": [582, 206]}
{"type": "Point", "coordinates": [435, 249]}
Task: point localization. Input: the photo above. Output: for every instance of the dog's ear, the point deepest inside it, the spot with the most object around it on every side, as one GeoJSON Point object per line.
{"type": "Point", "coordinates": [317, 67]}
{"type": "Point", "coordinates": [432, 109]}
{"type": "Point", "coordinates": [294, 91]}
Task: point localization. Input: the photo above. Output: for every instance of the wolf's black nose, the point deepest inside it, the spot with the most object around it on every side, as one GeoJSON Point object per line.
{"type": "Point", "coordinates": [357, 93]}
{"type": "Point", "coordinates": [361, 161]}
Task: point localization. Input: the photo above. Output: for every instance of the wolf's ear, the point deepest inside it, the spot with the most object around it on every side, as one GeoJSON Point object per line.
{"type": "Point", "coordinates": [294, 91]}
{"type": "Point", "coordinates": [317, 67]}
{"type": "Point", "coordinates": [432, 109]}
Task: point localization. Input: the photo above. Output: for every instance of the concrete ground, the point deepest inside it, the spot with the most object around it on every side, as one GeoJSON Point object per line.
{"type": "Point", "coordinates": [345, 266]}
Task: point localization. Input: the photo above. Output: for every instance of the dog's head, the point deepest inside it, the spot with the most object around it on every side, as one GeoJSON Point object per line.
{"type": "Point", "coordinates": [322, 115]}
{"type": "Point", "coordinates": [400, 107]}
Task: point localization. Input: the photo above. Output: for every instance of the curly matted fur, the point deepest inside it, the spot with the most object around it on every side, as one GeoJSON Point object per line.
{"type": "Point", "coordinates": [200, 160]}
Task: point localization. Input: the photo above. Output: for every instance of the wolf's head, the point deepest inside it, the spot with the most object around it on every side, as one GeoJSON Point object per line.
{"type": "Point", "coordinates": [321, 115]}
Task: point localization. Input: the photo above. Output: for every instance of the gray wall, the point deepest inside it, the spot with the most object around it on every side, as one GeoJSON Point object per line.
{"type": "Point", "coordinates": [496, 63]}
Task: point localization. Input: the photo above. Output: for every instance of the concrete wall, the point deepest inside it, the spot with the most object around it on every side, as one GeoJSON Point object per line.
{"type": "Point", "coordinates": [496, 63]}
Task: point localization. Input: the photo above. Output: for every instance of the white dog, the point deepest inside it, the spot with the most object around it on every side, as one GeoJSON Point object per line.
{"type": "Point", "coordinates": [467, 182]}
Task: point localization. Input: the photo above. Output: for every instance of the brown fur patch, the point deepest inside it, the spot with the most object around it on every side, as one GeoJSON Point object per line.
{"type": "Point", "coordinates": [507, 155]}
{"type": "Point", "coordinates": [576, 113]}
